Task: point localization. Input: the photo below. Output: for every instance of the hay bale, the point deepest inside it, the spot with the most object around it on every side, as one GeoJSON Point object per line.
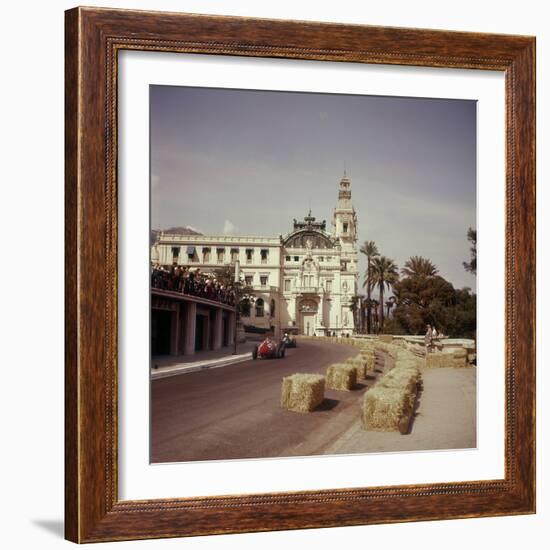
{"type": "Point", "coordinates": [367, 346]}
{"type": "Point", "coordinates": [393, 351]}
{"type": "Point", "coordinates": [380, 347]}
{"type": "Point", "coordinates": [404, 355]}
{"type": "Point", "coordinates": [367, 362]}
{"type": "Point", "coordinates": [434, 360]}
{"type": "Point", "coordinates": [302, 392]}
{"type": "Point", "coordinates": [386, 409]}
{"type": "Point", "coordinates": [405, 380]}
{"type": "Point", "coordinates": [341, 376]}
{"type": "Point", "coordinates": [446, 360]}
{"type": "Point", "coordinates": [370, 362]}
{"type": "Point", "coordinates": [359, 365]}
{"type": "Point", "coordinates": [414, 363]}
{"type": "Point", "coordinates": [456, 352]}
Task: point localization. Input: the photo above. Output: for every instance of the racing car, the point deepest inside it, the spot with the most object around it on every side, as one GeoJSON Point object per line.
{"type": "Point", "coordinates": [289, 340]}
{"type": "Point", "coordinates": [269, 349]}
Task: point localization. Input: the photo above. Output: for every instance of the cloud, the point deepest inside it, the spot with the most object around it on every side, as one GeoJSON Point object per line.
{"type": "Point", "coordinates": [228, 227]}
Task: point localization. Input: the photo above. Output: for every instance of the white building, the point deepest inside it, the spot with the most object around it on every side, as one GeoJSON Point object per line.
{"type": "Point", "coordinates": [304, 279]}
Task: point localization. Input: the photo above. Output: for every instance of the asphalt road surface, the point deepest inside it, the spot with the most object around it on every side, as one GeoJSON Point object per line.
{"type": "Point", "coordinates": [234, 412]}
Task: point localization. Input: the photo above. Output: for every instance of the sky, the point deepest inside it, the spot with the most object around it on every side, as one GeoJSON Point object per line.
{"type": "Point", "coordinates": [247, 162]}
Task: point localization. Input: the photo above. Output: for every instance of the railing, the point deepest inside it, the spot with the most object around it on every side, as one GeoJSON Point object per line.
{"type": "Point", "coordinates": [265, 288]}
{"type": "Point", "coordinates": [189, 286]}
{"type": "Point", "coordinates": [309, 289]}
{"type": "Point", "coordinates": [217, 239]}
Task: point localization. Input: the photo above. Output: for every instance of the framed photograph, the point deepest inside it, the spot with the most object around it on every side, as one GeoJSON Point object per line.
{"type": "Point", "coordinates": [305, 284]}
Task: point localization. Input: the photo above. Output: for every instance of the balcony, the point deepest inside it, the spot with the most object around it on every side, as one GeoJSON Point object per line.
{"type": "Point", "coordinates": [308, 289]}
{"type": "Point", "coordinates": [265, 288]}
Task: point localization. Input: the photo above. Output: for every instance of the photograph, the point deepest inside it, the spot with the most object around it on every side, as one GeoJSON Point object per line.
{"type": "Point", "coordinates": [260, 320]}
{"type": "Point", "coordinates": [312, 274]}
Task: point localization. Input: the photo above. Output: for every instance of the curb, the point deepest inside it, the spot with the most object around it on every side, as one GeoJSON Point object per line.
{"type": "Point", "coordinates": [157, 374]}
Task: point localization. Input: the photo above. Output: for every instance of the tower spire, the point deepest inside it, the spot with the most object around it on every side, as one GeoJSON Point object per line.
{"type": "Point", "coordinates": [344, 191]}
{"type": "Point", "coordinates": [344, 218]}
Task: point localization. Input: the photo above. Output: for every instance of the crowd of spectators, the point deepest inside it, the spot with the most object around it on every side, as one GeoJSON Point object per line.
{"type": "Point", "coordinates": [191, 282]}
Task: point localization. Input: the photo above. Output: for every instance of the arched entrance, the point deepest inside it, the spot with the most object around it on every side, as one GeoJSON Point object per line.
{"type": "Point", "coordinates": [308, 316]}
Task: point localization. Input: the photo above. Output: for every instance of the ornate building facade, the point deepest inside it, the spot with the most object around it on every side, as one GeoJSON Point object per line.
{"type": "Point", "coordinates": [305, 279]}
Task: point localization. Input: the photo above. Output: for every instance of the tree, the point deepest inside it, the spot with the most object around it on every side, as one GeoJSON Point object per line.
{"type": "Point", "coordinates": [390, 303]}
{"type": "Point", "coordinates": [385, 274]}
{"type": "Point", "coordinates": [355, 308]}
{"type": "Point", "coordinates": [471, 266]}
{"type": "Point", "coordinates": [433, 300]}
{"type": "Point", "coordinates": [374, 310]}
{"type": "Point", "coordinates": [417, 266]}
{"type": "Point", "coordinates": [370, 250]}
{"type": "Point", "coordinates": [226, 276]}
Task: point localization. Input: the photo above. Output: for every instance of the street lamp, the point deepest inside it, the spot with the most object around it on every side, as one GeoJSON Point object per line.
{"type": "Point", "coordinates": [236, 283]}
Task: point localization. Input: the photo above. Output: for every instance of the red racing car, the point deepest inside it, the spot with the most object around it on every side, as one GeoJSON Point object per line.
{"type": "Point", "coordinates": [269, 349]}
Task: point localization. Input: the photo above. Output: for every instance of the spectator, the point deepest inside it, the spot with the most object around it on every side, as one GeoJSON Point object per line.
{"type": "Point", "coordinates": [193, 283]}
{"type": "Point", "coordinates": [428, 338]}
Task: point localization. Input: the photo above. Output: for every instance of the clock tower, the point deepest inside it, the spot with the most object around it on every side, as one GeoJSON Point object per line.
{"type": "Point", "coordinates": [344, 221]}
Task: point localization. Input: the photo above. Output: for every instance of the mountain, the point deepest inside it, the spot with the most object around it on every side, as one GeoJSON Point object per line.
{"type": "Point", "coordinates": [182, 230]}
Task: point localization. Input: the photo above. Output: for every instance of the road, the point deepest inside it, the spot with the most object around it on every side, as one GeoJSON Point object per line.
{"type": "Point", "coordinates": [234, 412]}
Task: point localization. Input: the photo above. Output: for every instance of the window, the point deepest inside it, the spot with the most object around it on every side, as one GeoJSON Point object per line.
{"type": "Point", "coordinates": [287, 285]}
{"type": "Point", "coordinates": [329, 286]}
{"type": "Point", "coordinates": [263, 254]}
{"type": "Point", "coordinates": [249, 255]}
{"type": "Point", "coordinates": [248, 280]}
{"type": "Point", "coordinates": [263, 280]}
{"type": "Point", "coordinates": [272, 308]}
{"type": "Point", "coordinates": [206, 255]}
{"type": "Point", "coordinates": [296, 258]}
{"type": "Point", "coordinates": [191, 253]}
{"type": "Point", "coordinates": [345, 227]}
{"type": "Point", "coordinates": [175, 253]}
{"type": "Point", "coordinates": [287, 258]}
{"type": "Point", "coordinates": [321, 259]}
{"type": "Point", "coordinates": [259, 307]}
{"type": "Point", "coordinates": [234, 254]}
{"type": "Point", "coordinates": [220, 254]}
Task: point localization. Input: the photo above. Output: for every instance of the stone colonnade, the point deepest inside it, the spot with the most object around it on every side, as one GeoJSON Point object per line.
{"type": "Point", "coordinates": [183, 327]}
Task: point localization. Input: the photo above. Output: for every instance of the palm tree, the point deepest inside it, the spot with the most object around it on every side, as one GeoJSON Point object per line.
{"type": "Point", "coordinates": [354, 306]}
{"type": "Point", "coordinates": [389, 305]}
{"type": "Point", "coordinates": [375, 309]}
{"type": "Point", "coordinates": [471, 266]}
{"type": "Point", "coordinates": [417, 266]}
{"type": "Point", "coordinates": [370, 250]}
{"type": "Point", "coordinates": [385, 274]}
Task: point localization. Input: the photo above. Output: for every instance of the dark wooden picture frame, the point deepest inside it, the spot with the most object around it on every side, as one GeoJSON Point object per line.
{"type": "Point", "coordinates": [93, 511]}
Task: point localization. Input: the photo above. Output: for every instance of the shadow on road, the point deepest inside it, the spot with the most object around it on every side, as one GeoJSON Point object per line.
{"type": "Point", "coordinates": [327, 404]}
{"type": "Point", "coordinates": [415, 413]}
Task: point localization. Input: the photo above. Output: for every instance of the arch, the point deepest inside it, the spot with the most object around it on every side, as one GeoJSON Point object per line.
{"type": "Point", "coordinates": [299, 239]}
{"type": "Point", "coordinates": [308, 305]}
{"type": "Point", "coordinates": [259, 305]}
